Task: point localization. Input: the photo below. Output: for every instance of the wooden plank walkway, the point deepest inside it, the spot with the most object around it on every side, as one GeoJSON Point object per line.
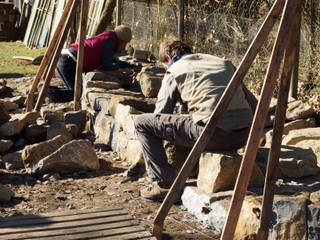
{"type": "Point", "coordinates": [111, 223]}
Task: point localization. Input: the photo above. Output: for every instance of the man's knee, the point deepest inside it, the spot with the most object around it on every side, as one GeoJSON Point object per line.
{"type": "Point", "coordinates": [142, 121]}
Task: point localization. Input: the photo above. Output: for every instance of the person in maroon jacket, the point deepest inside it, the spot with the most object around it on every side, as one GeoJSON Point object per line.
{"type": "Point", "coordinates": [99, 53]}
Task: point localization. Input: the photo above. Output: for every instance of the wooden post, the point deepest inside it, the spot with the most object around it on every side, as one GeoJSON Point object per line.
{"type": "Point", "coordinates": [214, 118]}
{"type": "Point", "coordinates": [181, 19]}
{"type": "Point", "coordinates": [118, 13]}
{"type": "Point", "coordinates": [47, 57]}
{"type": "Point", "coordinates": [56, 55]}
{"type": "Point", "coordinates": [259, 120]}
{"type": "Point", "coordinates": [78, 77]}
{"type": "Point", "coordinates": [295, 74]}
{"type": "Point", "coordinates": [273, 160]}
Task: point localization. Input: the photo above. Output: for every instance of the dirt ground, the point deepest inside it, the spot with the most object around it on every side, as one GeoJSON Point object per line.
{"type": "Point", "coordinates": [98, 189]}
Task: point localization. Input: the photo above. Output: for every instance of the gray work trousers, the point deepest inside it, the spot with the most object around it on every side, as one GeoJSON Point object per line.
{"type": "Point", "coordinates": [151, 129]}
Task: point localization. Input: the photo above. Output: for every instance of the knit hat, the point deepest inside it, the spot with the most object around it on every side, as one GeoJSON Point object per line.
{"type": "Point", "coordinates": [123, 33]}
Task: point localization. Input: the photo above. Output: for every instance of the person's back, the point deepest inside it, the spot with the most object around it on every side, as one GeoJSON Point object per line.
{"type": "Point", "coordinates": [201, 80]}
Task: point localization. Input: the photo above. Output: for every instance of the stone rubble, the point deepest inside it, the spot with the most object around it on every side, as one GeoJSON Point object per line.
{"type": "Point", "coordinates": [57, 140]}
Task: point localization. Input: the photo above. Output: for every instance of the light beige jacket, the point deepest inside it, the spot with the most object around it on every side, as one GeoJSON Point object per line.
{"type": "Point", "coordinates": [201, 80]}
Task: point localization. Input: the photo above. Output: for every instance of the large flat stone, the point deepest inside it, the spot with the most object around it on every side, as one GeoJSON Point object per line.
{"type": "Point", "coordinates": [16, 124]}
{"type": "Point", "coordinates": [114, 97]}
{"type": "Point", "coordinates": [5, 194]}
{"type": "Point", "coordinates": [294, 162]}
{"type": "Point", "coordinates": [32, 154]}
{"type": "Point", "coordinates": [150, 79]}
{"type": "Point", "coordinates": [299, 110]}
{"type": "Point", "coordinates": [218, 171]}
{"type": "Point", "coordinates": [289, 215]}
{"type": "Point", "coordinates": [71, 157]}
{"type": "Point", "coordinates": [4, 115]}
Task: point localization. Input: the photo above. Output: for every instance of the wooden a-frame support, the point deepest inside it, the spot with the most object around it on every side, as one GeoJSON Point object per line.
{"type": "Point", "coordinates": [285, 42]}
{"type": "Point", "coordinates": [50, 59]}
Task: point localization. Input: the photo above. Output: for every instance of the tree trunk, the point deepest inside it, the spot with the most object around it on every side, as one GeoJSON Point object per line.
{"type": "Point", "coordinates": [105, 18]}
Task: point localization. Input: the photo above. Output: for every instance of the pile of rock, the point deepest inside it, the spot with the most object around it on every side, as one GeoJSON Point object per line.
{"type": "Point", "coordinates": [297, 189]}
{"type": "Point", "coordinates": [52, 140]}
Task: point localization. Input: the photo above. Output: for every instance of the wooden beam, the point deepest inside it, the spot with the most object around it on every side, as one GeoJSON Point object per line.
{"type": "Point", "coordinates": [259, 120]}
{"type": "Point", "coordinates": [215, 116]}
{"type": "Point", "coordinates": [78, 77]}
{"type": "Point", "coordinates": [295, 73]}
{"type": "Point", "coordinates": [47, 57]}
{"type": "Point", "coordinates": [118, 13]}
{"type": "Point", "coordinates": [56, 54]}
{"type": "Point", "coordinates": [273, 160]}
{"type": "Point", "coordinates": [181, 19]}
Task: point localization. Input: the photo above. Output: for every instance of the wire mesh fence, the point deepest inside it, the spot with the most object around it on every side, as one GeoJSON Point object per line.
{"type": "Point", "coordinates": [226, 28]}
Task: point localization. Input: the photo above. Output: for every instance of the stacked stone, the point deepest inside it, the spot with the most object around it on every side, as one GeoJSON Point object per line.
{"type": "Point", "coordinates": [299, 162]}
{"type": "Point", "coordinates": [113, 98]}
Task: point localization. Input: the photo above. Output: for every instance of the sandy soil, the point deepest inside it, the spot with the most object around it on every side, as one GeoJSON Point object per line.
{"type": "Point", "coordinates": [85, 190]}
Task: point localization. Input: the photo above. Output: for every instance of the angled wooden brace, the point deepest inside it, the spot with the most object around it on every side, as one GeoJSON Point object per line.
{"type": "Point", "coordinates": [259, 119]}
{"type": "Point", "coordinates": [215, 116]}
{"type": "Point", "coordinates": [78, 77]}
{"type": "Point", "coordinates": [56, 54]}
{"type": "Point", "coordinates": [48, 56]}
{"type": "Point", "coordinates": [274, 154]}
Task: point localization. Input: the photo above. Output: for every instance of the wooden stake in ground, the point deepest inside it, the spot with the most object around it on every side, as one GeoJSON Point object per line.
{"type": "Point", "coordinates": [47, 57]}
{"type": "Point", "coordinates": [56, 55]}
{"type": "Point", "coordinates": [259, 120]}
{"type": "Point", "coordinates": [273, 160]}
{"type": "Point", "coordinates": [78, 77]}
{"type": "Point", "coordinates": [214, 118]}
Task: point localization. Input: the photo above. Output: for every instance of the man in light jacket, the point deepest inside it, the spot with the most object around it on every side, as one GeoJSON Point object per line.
{"type": "Point", "coordinates": [198, 81]}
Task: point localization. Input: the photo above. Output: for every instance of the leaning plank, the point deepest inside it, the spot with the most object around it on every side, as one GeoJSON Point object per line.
{"type": "Point", "coordinates": [259, 120]}
{"type": "Point", "coordinates": [48, 56]}
{"type": "Point", "coordinates": [105, 225]}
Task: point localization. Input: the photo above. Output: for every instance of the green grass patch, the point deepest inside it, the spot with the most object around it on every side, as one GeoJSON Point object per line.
{"type": "Point", "coordinates": [11, 68]}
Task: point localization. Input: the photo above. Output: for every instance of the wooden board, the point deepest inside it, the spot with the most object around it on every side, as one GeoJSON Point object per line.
{"type": "Point", "coordinates": [111, 223]}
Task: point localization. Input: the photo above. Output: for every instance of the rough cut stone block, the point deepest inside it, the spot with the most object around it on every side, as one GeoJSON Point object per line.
{"type": "Point", "coordinates": [218, 171]}
{"type": "Point", "coordinates": [5, 194]}
{"type": "Point", "coordinates": [4, 115]}
{"type": "Point", "coordinates": [17, 123]}
{"type": "Point", "coordinates": [313, 218]}
{"type": "Point", "coordinates": [288, 218]}
{"type": "Point", "coordinates": [58, 128]}
{"type": "Point", "coordinates": [32, 154]}
{"type": "Point", "coordinates": [122, 112]}
{"type": "Point", "coordinates": [299, 110]}
{"type": "Point", "coordinates": [102, 85]}
{"type": "Point", "coordinates": [35, 133]}
{"type": "Point", "coordinates": [294, 162]}
{"type": "Point", "coordinates": [141, 54]}
{"type": "Point", "coordinates": [150, 79]}
{"type": "Point", "coordinates": [5, 145]}
{"type": "Point", "coordinates": [294, 125]}
{"type": "Point", "coordinates": [9, 105]}
{"type": "Point", "coordinates": [71, 157]}
{"type": "Point", "coordinates": [127, 149]}
{"type": "Point", "coordinates": [13, 161]}
{"type": "Point", "coordinates": [103, 128]}
{"type": "Point", "coordinates": [19, 100]}
{"type": "Point", "coordinates": [100, 76]}
{"type": "Point", "coordinates": [125, 97]}
{"type": "Point", "coordinates": [299, 135]}
{"type": "Point", "coordinates": [76, 117]}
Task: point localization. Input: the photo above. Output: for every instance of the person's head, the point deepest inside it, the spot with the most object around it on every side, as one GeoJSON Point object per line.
{"type": "Point", "coordinates": [124, 35]}
{"type": "Point", "coordinates": [170, 48]}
